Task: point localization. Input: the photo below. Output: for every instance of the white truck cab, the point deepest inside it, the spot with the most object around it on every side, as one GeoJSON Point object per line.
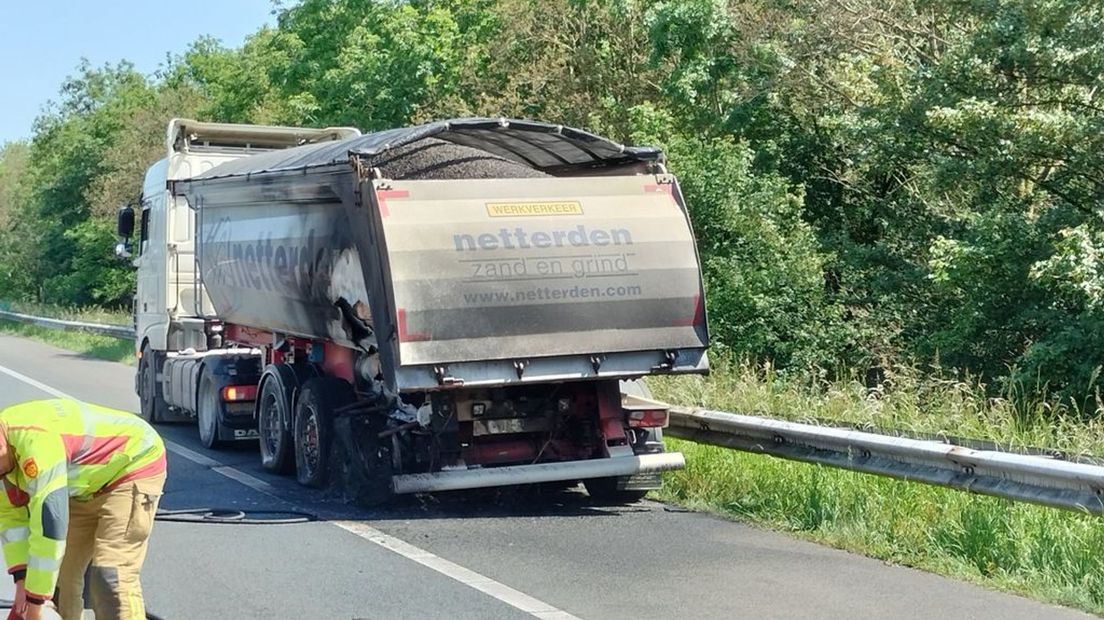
{"type": "Point", "coordinates": [172, 312]}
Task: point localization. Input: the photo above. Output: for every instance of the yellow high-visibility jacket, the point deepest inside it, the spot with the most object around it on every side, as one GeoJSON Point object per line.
{"type": "Point", "coordinates": [64, 449]}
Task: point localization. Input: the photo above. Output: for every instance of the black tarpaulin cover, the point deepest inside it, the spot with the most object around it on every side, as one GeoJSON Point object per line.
{"type": "Point", "coordinates": [541, 146]}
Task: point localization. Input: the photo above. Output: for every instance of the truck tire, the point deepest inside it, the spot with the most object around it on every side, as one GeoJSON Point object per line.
{"type": "Point", "coordinates": [315, 410]}
{"type": "Point", "coordinates": [277, 455]}
{"type": "Point", "coordinates": [208, 404]}
{"type": "Point", "coordinates": [151, 398]}
{"type": "Point", "coordinates": [361, 460]}
{"type": "Point", "coordinates": [605, 491]}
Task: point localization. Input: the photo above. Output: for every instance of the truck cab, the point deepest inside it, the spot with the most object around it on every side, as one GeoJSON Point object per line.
{"type": "Point", "coordinates": [172, 312]}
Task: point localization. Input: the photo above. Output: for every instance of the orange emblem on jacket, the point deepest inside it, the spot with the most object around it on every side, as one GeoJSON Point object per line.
{"type": "Point", "coordinates": [30, 468]}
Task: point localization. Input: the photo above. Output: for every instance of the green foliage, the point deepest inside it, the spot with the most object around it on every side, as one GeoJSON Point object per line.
{"type": "Point", "coordinates": [873, 183]}
{"type": "Point", "coordinates": [763, 269]}
{"type": "Point", "coordinates": [92, 276]}
{"type": "Point", "coordinates": [88, 155]}
{"type": "Point", "coordinates": [14, 256]}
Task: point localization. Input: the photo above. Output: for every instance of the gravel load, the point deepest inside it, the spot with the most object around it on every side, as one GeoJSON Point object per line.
{"type": "Point", "coordinates": [434, 159]}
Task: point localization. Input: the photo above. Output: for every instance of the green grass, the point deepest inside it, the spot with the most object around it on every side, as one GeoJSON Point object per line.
{"type": "Point", "coordinates": [908, 401]}
{"type": "Point", "coordinates": [1043, 553]}
{"type": "Point", "coordinates": [88, 314]}
{"type": "Point", "coordinates": [92, 345]}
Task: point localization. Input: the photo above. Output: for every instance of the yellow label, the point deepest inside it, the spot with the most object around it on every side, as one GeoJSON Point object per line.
{"type": "Point", "coordinates": [533, 209]}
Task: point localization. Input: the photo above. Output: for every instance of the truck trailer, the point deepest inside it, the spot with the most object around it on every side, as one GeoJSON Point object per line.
{"type": "Point", "coordinates": [449, 306]}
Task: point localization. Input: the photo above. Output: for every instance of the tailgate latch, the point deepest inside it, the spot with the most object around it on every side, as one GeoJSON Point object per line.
{"type": "Point", "coordinates": [443, 379]}
{"type": "Point", "coordinates": [520, 366]}
{"type": "Point", "coordinates": [668, 363]}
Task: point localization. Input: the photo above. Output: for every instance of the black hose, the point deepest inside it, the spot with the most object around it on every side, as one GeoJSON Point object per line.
{"type": "Point", "coordinates": [232, 516]}
{"type": "Point", "coordinates": [235, 516]}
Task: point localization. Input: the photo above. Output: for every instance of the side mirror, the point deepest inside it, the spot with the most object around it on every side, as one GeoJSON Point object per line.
{"type": "Point", "coordinates": [126, 222]}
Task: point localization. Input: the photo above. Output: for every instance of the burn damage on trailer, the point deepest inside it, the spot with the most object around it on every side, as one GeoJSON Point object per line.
{"type": "Point", "coordinates": [443, 304]}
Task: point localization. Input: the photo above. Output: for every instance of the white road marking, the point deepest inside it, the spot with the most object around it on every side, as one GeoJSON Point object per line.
{"type": "Point", "coordinates": [191, 455]}
{"type": "Point", "coordinates": [500, 591]}
{"type": "Point", "coordinates": [470, 578]}
{"type": "Point", "coordinates": [35, 384]}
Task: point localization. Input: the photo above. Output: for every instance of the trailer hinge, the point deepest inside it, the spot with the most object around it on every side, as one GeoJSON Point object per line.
{"type": "Point", "coordinates": [668, 363]}
{"type": "Point", "coordinates": [358, 166]}
{"type": "Point", "coordinates": [520, 366]}
{"type": "Point", "coordinates": [441, 374]}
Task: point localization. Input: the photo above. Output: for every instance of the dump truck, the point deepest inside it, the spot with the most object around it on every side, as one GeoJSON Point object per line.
{"type": "Point", "coordinates": [449, 306]}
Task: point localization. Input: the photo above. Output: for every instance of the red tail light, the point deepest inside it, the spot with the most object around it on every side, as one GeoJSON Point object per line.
{"type": "Point", "coordinates": [648, 418]}
{"type": "Point", "coordinates": [237, 393]}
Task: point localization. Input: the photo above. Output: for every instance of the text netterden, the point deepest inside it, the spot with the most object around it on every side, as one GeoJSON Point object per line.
{"type": "Point", "coordinates": [519, 238]}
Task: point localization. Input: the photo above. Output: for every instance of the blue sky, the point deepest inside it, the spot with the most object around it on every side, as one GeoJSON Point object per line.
{"type": "Point", "coordinates": [42, 41]}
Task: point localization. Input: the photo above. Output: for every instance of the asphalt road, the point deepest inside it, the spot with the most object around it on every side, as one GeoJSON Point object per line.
{"type": "Point", "coordinates": [477, 555]}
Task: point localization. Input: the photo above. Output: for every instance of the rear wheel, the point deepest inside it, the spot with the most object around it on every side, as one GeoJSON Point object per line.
{"type": "Point", "coordinates": [277, 455]}
{"type": "Point", "coordinates": [208, 404]}
{"type": "Point", "coordinates": [151, 400]}
{"type": "Point", "coordinates": [314, 427]}
{"type": "Point", "coordinates": [606, 491]}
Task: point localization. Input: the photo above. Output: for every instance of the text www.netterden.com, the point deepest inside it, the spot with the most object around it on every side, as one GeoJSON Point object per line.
{"type": "Point", "coordinates": [549, 293]}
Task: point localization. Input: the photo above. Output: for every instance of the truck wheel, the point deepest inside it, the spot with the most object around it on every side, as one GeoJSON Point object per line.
{"type": "Point", "coordinates": [314, 428]}
{"type": "Point", "coordinates": [208, 404]}
{"type": "Point", "coordinates": [604, 491]}
{"type": "Point", "coordinates": [361, 460]}
{"type": "Point", "coordinates": [277, 455]}
{"type": "Point", "coordinates": [151, 400]}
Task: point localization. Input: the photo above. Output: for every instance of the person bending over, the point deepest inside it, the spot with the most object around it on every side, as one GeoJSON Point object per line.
{"type": "Point", "coordinates": [81, 483]}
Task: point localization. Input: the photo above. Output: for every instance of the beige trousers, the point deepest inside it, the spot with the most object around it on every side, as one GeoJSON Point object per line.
{"type": "Point", "coordinates": [109, 533]}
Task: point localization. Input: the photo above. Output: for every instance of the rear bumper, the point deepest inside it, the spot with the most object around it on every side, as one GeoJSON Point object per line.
{"type": "Point", "coordinates": [533, 474]}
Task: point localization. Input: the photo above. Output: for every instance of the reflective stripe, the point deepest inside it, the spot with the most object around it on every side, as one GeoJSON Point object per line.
{"type": "Point", "coordinates": [94, 449]}
{"type": "Point", "coordinates": [15, 534]}
{"type": "Point", "coordinates": [45, 477]}
{"type": "Point", "coordinates": [148, 441]}
{"type": "Point", "coordinates": [88, 418]}
{"type": "Point", "coordinates": [36, 562]}
{"type": "Point", "coordinates": [74, 471]}
{"type": "Point", "coordinates": [59, 408]}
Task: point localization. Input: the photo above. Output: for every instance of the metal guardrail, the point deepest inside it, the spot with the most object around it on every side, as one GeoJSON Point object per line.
{"type": "Point", "coordinates": [114, 331]}
{"type": "Point", "coordinates": [1035, 478]}
{"type": "Point", "coordinates": [1028, 478]}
